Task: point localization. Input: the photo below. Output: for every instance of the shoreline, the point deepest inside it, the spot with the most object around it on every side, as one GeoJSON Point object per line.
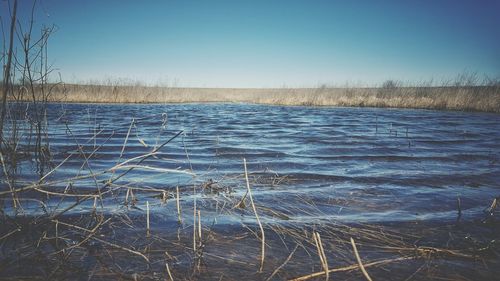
{"type": "Point", "coordinates": [451, 98]}
{"type": "Point", "coordinates": [265, 104]}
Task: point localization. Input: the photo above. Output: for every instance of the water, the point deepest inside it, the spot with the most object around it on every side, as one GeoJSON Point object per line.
{"type": "Point", "coordinates": [308, 163]}
{"type": "Point", "coordinates": [389, 178]}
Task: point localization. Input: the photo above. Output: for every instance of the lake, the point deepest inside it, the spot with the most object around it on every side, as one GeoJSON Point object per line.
{"type": "Point", "coordinates": [400, 170]}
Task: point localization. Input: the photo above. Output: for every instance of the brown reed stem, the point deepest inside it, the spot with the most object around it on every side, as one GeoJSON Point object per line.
{"type": "Point", "coordinates": [122, 248]}
{"type": "Point", "coordinates": [194, 225]}
{"type": "Point", "coordinates": [169, 273]}
{"type": "Point", "coordinates": [126, 138]}
{"type": "Point", "coordinates": [351, 267]}
{"type": "Point", "coordinates": [321, 253]}
{"type": "Point", "coordinates": [263, 240]}
{"type": "Point", "coordinates": [360, 263]}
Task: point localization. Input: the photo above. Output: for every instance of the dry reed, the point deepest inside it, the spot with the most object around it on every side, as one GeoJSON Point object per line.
{"type": "Point", "coordinates": [171, 278]}
{"type": "Point", "coordinates": [194, 226]}
{"type": "Point", "coordinates": [147, 218]}
{"type": "Point", "coordinates": [459, 95]}
{"type": "Point", "coordinates": [263, 237]}
{"type": "Point", "coordinates": [179, 218]}
{"type": "Point", "coordinates": [321, 254]}
{"type": "Point", "coordinates": [358, 259]}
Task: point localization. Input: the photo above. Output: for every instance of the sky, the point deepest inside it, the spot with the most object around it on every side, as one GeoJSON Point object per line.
{"type": "Point", "coordinates": [268, 43]}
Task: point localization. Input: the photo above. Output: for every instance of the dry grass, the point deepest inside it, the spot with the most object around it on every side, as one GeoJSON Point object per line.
{"type": "Point", "coordinates": [458, 97]}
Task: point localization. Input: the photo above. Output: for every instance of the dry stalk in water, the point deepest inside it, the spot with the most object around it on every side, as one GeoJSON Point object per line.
{"type": "Point", "coordinates": [194, 225]}
{"type": "Point", "coordinates": [179, 219]}
{"type": "Point", "coordinates": [263, 240]}
{"type": "Point", "coordinates": [15, 201]}
{"type": "Point", "coordinates": [493, 206]}
{"type": "Point", "coordinates": [169, 273]}
{"type": "Point", "coordinates": [283, 264]}
{"type": "Point", "coordinates": [360, 263]}
{"type": "Point", "coordinates": [126, 196]}
{"type": "Point", "coordinates": [122, 248]}
{"type": "Point", "coordinates": [147, 217]}
{"type": "Point", "coordinates": [10, 233]}
{"type": "Point", "coordinates": [126, 138]}
{"type": "Point", "coordinates": [321, 254]}
{"type": "Point", "coordinates": [352, 267]}
{"type": "Point", "coordinates": [199, 225]}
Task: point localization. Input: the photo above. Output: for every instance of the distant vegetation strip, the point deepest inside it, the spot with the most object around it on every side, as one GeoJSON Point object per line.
{"type": "Point", "coordinates": [462, 98]}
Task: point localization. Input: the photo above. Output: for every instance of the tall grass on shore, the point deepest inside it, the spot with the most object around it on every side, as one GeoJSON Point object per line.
{"type": "Point", "coordinates": [465, 93]}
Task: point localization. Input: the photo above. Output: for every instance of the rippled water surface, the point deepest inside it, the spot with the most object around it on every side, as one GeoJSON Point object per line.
{"type": "Point", "coordinates": [310, 163]}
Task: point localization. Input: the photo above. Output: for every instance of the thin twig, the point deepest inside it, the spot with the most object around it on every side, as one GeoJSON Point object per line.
{"type": "Point", "coordinates": [10, 233]}
{"type": "Point", "coordinates": [352, 267]}
{"type": "Point", "coordinates": [143, 159]}
{"type": "Point", "coordinates": [283, 264]}
{"type": "Point", "coordinates": [156, 169]}
{"type": "Point", "coordinates": [122, 248]}
{"type": "Point", "coordinates": [15, 202]}
{"type": "Point", "coordinates": [126, 138]}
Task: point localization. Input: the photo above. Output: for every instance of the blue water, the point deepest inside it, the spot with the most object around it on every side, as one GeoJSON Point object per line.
{"type": "Point", "coordinates": [308, 163]}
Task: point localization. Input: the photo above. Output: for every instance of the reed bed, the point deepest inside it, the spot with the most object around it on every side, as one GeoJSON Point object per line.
{"type": "Point", "coordinates": [460, 96]}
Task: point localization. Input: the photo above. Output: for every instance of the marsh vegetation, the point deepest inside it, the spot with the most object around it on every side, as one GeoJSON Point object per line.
{"type": "Point", "coordinates": [467, 92]}
{"type": "Point", "coordinates": [214, 190]}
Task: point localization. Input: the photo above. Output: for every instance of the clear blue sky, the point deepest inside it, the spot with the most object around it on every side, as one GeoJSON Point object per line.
{"type": "Point", "coordinates": [271, 43]}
